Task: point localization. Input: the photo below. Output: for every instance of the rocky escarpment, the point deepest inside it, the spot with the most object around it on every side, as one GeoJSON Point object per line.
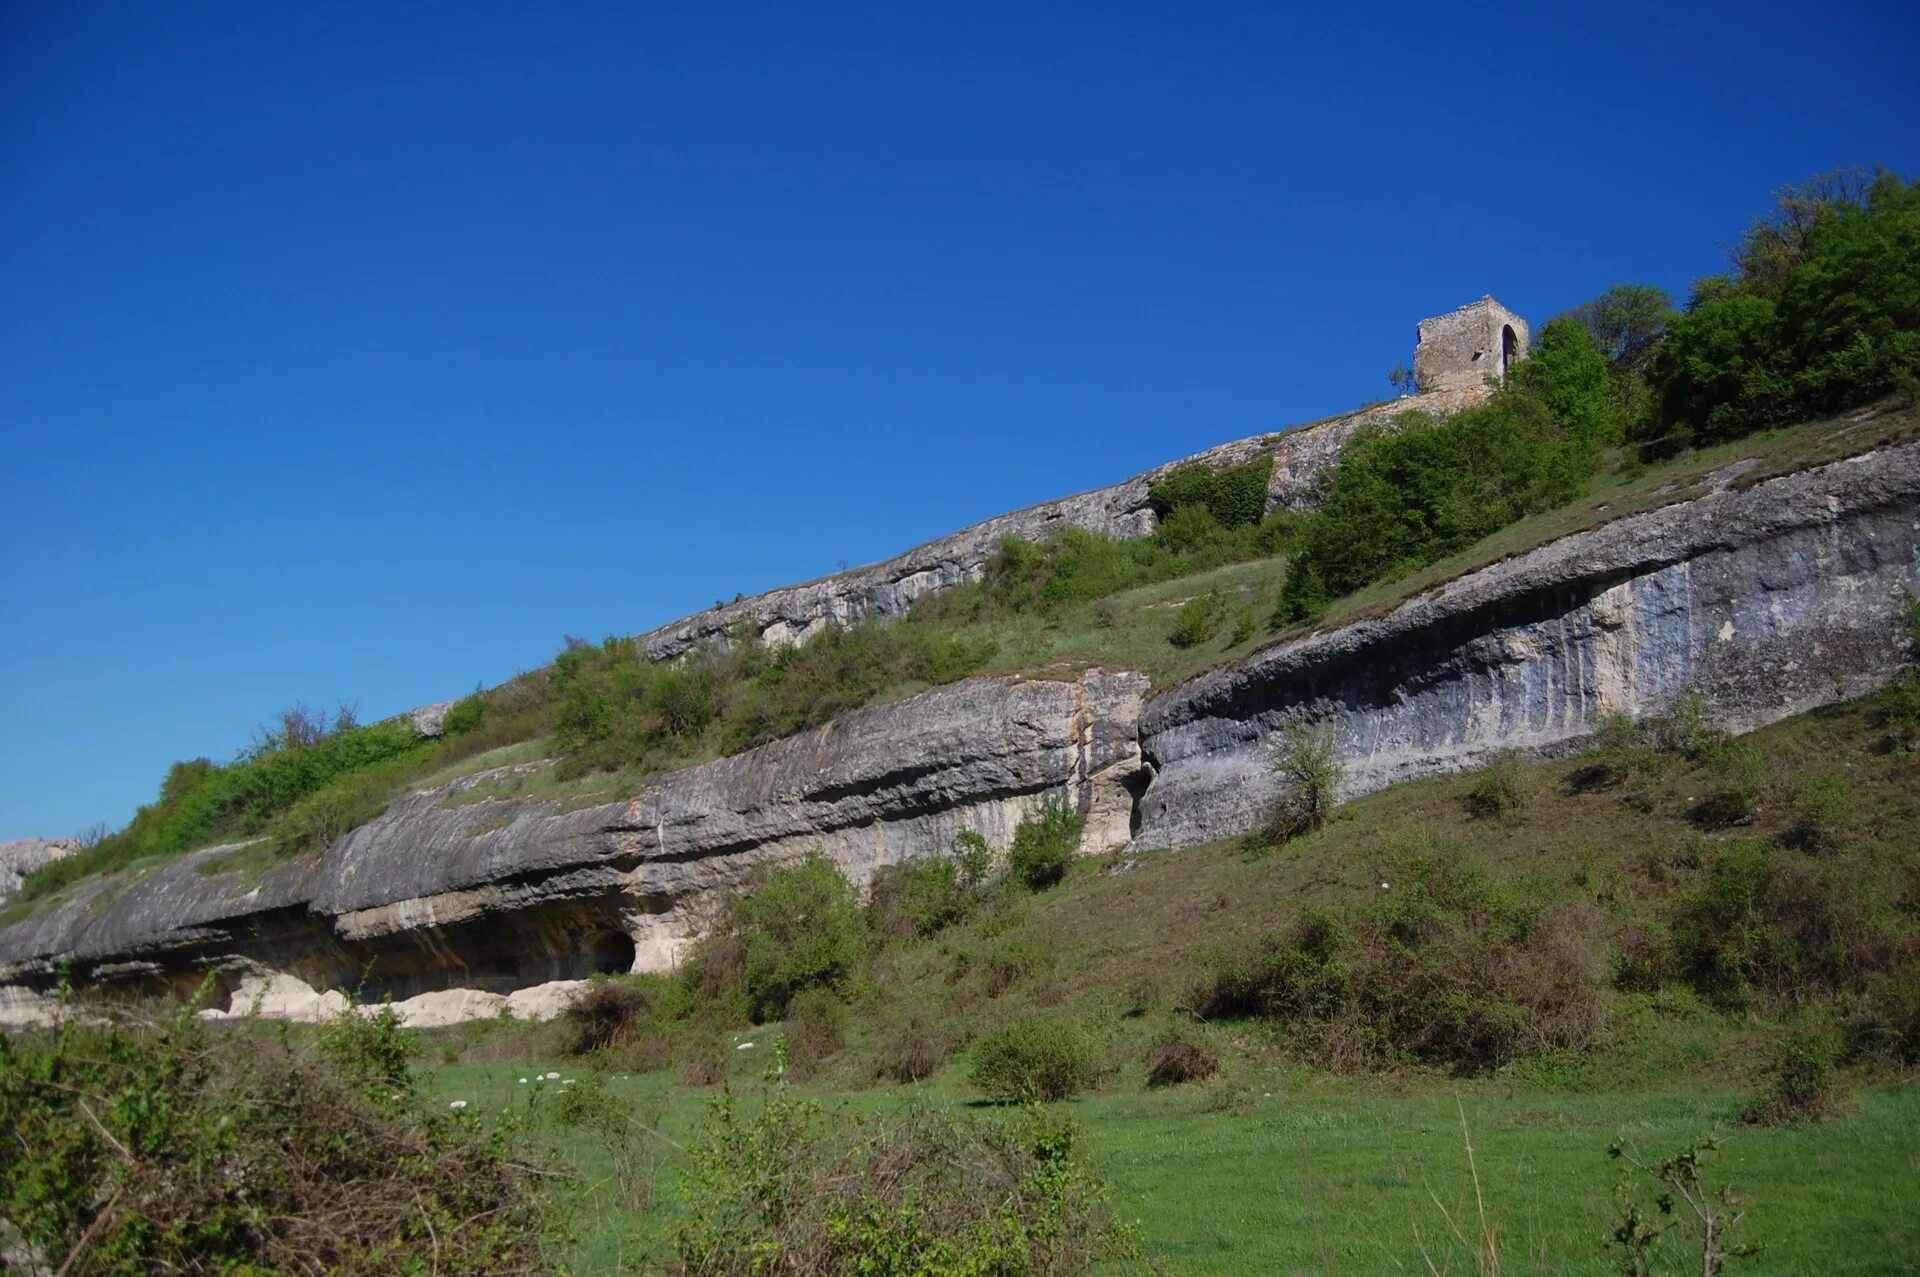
{"type": "Point", "coordinates": [24, 855]}
{"type": "Point", "coordinates": [453, 888]}
{"type": "Point", "coordinates": [1767, 601]}
{"type": "Point", "coordinates": [796, 613]}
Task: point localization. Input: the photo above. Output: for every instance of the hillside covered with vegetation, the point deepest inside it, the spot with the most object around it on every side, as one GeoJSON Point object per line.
{"type": "Point", "coordinates": [1626, 402]}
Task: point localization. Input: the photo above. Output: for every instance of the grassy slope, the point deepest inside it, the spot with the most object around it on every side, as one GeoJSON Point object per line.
{"type": "Point", "coordinates": [1130, 629]}
{"type": "Point", "coordinates": [1218, 1172]}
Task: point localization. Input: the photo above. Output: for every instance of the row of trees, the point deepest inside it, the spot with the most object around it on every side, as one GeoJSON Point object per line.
{"type": "Point", "coordinates": [1820, 313]}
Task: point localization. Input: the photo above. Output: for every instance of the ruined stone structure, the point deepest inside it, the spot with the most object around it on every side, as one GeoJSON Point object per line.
{"type": "Point", "coordinates": [1468, 348]}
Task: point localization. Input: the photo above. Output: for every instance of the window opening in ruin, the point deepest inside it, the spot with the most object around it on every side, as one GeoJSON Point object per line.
{"type": "Point", "coordinates": [1509, 346]}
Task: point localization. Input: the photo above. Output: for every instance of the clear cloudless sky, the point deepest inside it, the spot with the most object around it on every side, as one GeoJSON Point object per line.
{"type": "Point", "coordinates": [362, 351]}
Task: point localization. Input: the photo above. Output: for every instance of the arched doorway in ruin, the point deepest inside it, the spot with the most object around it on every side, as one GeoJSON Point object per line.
{"type": "Point", "coordinates": [1509, 347]}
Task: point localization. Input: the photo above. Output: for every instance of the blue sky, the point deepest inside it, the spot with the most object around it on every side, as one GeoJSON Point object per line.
{"type": "Point", "coordinates": [361, 353]}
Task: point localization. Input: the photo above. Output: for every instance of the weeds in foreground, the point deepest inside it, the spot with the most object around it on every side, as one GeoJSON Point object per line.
{"type": "Point", "coordinates": [1685, 1205]}
{"type": "Point", "coordinates": [783, 1180]}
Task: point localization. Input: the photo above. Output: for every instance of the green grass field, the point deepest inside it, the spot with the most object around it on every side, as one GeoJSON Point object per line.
{"type": "Point", "coordinates": [1284, 1172]}
{"type": "Point", "coordinates": [1281, 1165]}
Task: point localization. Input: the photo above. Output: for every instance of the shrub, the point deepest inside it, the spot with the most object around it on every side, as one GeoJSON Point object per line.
{"type": "Point", "coordinates": [1786, 928]}
{"type": "Point", "coordinates": [803, 929]}
{"type": "Point", "coordinates": [1175, 1058]}
{"type": "Point", "coordinates": [1400, 498]}
{"type": "Point", "coordinates": [1044, 846]}
{"type": "Point", "coordinates": [609, 1012]}
{"type": "Point", "coordinates": [1235, 496]}
{"type": "Point", "coordinates": [1013, 960]}
{"type": "Point", "coordinates": [1444, 968]}
{"type": "Point", "coordinates": [1500, 787]}
{"type": "Point", "coordinates": [1802, 1083]}
{"type": "Point", "coordinates": [815, 1030]}
{"type": "Point", "coordinates": [1034, 1058]}
{"type": "Point", "coordinates": [1824, 812]}
{"type": "Point", "coordinates": [1306, 761]}
{"type": "Point", "coordinates": [923, 897]}
{"type": "Point", "coordinates": [1200, 619]}
{"type": "Point", "coordinates": [703, 1060]}
{"type": "Point", "coordinates": [910, 1050]}
{"type": "Point", "coordinates": [1884, 1019]}
{"type": "Point", "coordinates": [1740, 772]}
{"type": "Point", "coordinates": [1899, 706]}
{"type": "Point", "coordinates": [919, 1192]}
{"type": "Point", "coordinates": [139, 1145]}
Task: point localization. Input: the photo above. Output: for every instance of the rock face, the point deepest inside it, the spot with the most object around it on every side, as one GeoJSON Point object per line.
{"type": "Point", "coordinates": [24, 855]}
{"type": "Point", "coordinates": [796, 613]}
{"type": "Point", "coordinates": [1767, 601]}
{"type": "Point", "coordinates": [452, 891]}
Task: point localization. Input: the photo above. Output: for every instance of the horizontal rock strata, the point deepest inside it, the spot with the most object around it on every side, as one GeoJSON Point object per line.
{"type": "Point", "coordinates": [452, 889]}
{"type": "Point", "coordinates": [1767, 601]}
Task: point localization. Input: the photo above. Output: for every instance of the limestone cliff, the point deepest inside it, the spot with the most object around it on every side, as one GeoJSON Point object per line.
{"type": "Point", "coordinates": [451, 889]}
{"type": "Point", "coordinates": [1767, 601]}
{"type": "Point", "coordinates": [795, 613]}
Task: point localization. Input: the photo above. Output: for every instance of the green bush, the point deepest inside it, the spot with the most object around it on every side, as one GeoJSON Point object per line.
{"type": "Point", "coordinates": [1500, 787]}
{"type": "Point", "coordinates": [923, 897]}
{"type": "Point", "coordinates": [1401, 498]}
{"type": "Point", "coordinates": [1824, 812]}
{"type": "Point", "coordinates": [1801, 1086]}
{"type": "Point", "coordinates": [1306, 762]}
{"type": "Point", "coordinates": [143, 1146]}
{"type": "Point", "coordinates": [919, 1192]}
{"type": "Point", "coordinates": [1200, 619]}
{"type": "Point", "coordinates": [1044, 846]}
{"type": "Point", "coordinates": [1739, 772]}
{"type": "Point", "coordinates": [1785, 928]}
{"type": "Point", "coordinates": [802, 928]}
{"type": "Point", "coordinates": [1038, 1057]}
{"type": "Point", "coordinates": [1235, 496]}
{"type": "Point", "coordinates": [1823, 314]}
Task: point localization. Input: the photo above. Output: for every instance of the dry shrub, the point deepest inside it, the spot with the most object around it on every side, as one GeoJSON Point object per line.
{"type": "Point", "coordinates": [922, 1191]}
{"type": "Point", "coordinates": [1175, 1058]}
{"type": "Point", "coordinates": [703, 1060]}
{"type": "Point", "coordinates": [609, 1012]}
{"type": "Point", "coordinates": [1801, 1087]}
{"type": "Point", "coordinates": [910, 1051]}
{"type": "Point", "coordinates": [815, 1029]}
{"type": "Point", "coordinates": [1447, 969]}
{"type": "Point", "coordinates": [140, 1146]}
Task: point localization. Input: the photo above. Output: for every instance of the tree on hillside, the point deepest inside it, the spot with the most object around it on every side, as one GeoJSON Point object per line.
{"type": "Point", "coordinates": [1778, 240]}
{"type": "Point", "coordinates": [1401, 378]}
{"type": "Point", "coordinates": [1626, 321]}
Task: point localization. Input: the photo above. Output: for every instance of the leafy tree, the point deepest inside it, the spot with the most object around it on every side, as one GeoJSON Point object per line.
{"type": "Point", "coordinates": [1401, 379]}
{"type": "Point", "coordinates": [1626, 321]}
{"type": "Point", "coordinates": [1306, 761]}
{"type": "Point", "coordinates": [1568, 372]}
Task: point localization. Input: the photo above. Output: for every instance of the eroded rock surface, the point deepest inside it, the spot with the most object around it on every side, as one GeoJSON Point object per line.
{"type": "Point", "coordinates": [796, 613]}
{"type": "Point", "coordinates": [1767, 601]}
{"type": "Point", "coordinates": [24, 855]}
{"type": "Point", "coordinates": [454, 890]}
